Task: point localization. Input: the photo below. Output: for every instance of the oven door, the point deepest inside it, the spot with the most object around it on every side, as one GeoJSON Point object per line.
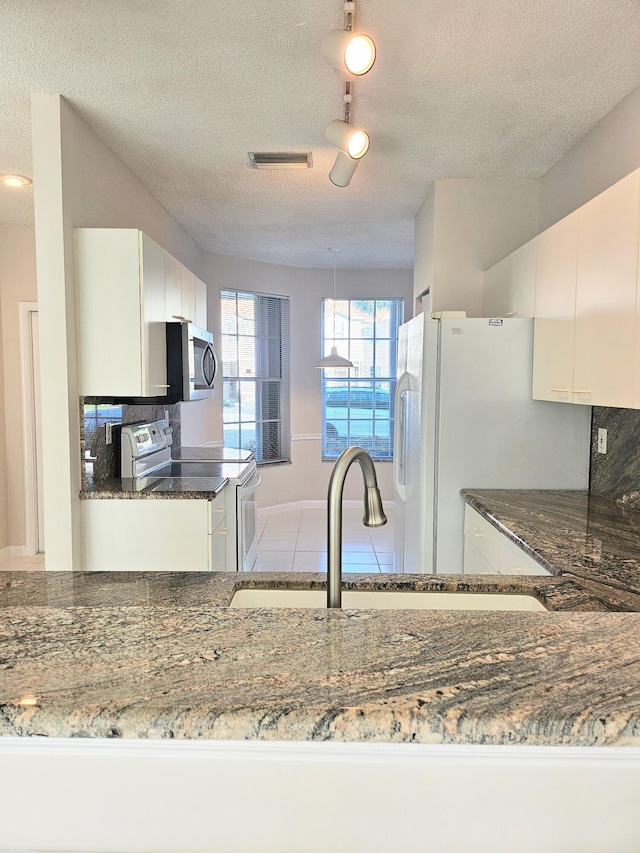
{"type": "Point", "coordinates": [247, 518]}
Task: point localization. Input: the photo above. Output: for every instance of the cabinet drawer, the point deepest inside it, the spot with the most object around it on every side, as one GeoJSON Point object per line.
{"type": "Point", "coordinates": [514, 561]}
{"type": "Point", "coordinates": [476, 563]}
{"type": "Point", "coordinates": [483, 534]}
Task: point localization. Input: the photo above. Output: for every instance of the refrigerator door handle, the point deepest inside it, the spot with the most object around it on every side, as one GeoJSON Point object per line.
{"type": "Point", "coordinates": [402, 389]}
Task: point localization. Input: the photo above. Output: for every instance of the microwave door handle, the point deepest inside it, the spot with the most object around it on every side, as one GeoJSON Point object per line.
{"type": "Point", "coordinates": [214, 358]}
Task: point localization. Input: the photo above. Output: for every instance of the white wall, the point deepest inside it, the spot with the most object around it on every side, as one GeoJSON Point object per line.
{"type": "Point", "coordinates": [307, 478]}
{"type": "Point", "coordinates": [17, 284]}
{"type": "Point", "coordinates": [474, 223]}
{"type": "Point", "coordinates": [78, 182]}
{"type": "Point", "coordinates": [608, 152]}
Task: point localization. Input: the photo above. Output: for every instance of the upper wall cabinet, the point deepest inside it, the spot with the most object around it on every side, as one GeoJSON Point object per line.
{"type": "Point", "coordinates": [606, 285]}
{"type": "Point", "coordinates": [120, 281]}
{"type": "Point", "coordinates": [186, 294]}
{"type": "Point", "coordinates": [202, 319]}
{"type": "Point", "coordinates": [555, 309]}
{"type": "Point", "coordinates": [585, 305]}
{"type": "Point", "coordinates": [509, 285]}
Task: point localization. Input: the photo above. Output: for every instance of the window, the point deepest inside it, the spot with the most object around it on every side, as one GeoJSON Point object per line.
{"type": "Point", "coordinates": [255, 370]}
{"type": "Point", "coordinates": [358, 403]}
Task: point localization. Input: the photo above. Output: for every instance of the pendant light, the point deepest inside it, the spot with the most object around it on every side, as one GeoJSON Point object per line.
{"type": "Point", "coordinates": [333, 359]}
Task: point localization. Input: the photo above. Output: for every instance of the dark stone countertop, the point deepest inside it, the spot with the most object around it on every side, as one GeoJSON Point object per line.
{"type": "Point", "coordinates": [161, 655]}
{"type": "Point", "coordinates": [576, 534]}
{"type": "Point", "coordinates": [155, 486]}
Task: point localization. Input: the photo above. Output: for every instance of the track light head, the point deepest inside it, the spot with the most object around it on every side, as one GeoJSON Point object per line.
{"type": "Point", "coordinates": [352, 53]}
{"type": "Point", "coordinates": [343, 170]}
{"type": "Point", "coordinates": [352, 141]}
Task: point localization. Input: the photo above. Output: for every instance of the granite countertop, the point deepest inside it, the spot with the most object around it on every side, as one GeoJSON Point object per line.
{"type": "Point", "coordinates": [577, 534]}
{"type": "Point", "coordinates": [218, 473]}
{"type": "Point", "coordinates": [145, 488]}
{"type": "Point", "coordinates": [161, 655]}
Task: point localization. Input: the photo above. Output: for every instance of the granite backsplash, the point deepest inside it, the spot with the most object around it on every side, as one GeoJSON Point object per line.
{"type": "Point", "coordinates": [616, 474]}
{"type": "Point", "coordinates": [101, 461]}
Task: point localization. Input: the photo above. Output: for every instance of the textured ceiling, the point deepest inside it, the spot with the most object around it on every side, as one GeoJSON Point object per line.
{"type": "Point", "coordinates": [181, 90]}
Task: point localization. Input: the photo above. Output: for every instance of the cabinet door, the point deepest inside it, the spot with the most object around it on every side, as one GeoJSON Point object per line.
{"type": "Point", "coordinates": [218, 534]}
{"type": "Point", "coordinates": [201, 305]}
{"type": "Point", "coordinates": [145, 535]}
{"type": "Point", "coordinates": [107, 271]}
{"type": "Point", "coordinates": [188, 295]}
{"type": "Point", "coordinates": [173, 284]}
{"type": "Point", "coordinates": [509, 286]}
{"type": "Point", "coordinates": [606, 296]}
{"type": "Point", "coordinates": [154, 351]}
{"type": "Point", "coordinates": [554, 324]}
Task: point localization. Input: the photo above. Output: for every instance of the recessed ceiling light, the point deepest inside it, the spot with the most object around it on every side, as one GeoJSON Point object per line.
{"type": "Point", "coordinates": [15, 180]}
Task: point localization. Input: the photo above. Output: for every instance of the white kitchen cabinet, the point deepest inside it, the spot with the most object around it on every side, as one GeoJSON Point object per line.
{"type": "Point", "coordinates": [186, 295]}
{"type": "Point", "coordinates": [120, 283]}
{"type": "Point", "coordinates": [606, 295]}
{"type": "Point", "coordinates": [202, 320]}
{"type": "Point", "coordinates": [555, 308]}
{"type": "Point", "coordinates": [509, 286]}
{"type": "Point", "coordinates": [488, 551]}
{"type": "Point", "coordinates": [585, 305]}
{"type": "Point", "coordinates": [154, 535]}
{"type": "Point", "coordinates": [173, 285]}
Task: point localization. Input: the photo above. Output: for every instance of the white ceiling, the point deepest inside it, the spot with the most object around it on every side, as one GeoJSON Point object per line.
{"type": "Point", "coordinates": [182, 89]}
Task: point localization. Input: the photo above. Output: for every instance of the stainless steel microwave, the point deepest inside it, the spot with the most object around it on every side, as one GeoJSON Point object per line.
{"type": "Point", "coordinates": [192, 365]}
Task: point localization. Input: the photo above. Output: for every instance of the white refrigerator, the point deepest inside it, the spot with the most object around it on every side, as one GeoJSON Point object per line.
{"type": "Point", "coordinates": [464, 418]}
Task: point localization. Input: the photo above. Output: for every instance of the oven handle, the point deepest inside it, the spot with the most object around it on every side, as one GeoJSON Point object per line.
{"type": "Point", "coordinates": [248, 489]}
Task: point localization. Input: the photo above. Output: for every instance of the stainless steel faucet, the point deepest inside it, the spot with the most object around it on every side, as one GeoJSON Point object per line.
{"type": "Point", "coordinates": [373, 514]}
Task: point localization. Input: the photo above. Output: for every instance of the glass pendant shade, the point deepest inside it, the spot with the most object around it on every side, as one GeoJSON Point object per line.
{"type": "Point", "coordinates": [353, 53]}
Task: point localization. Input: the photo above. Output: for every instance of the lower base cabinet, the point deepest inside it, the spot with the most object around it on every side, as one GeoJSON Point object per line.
{"type": "Point", "coordinates": [155, 535]}
{"type": "Point", "coordinates": [487, 551]}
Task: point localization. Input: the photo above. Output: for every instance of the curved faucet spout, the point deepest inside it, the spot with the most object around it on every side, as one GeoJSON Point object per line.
{"type": "Point", "coordinates": [373, 514]}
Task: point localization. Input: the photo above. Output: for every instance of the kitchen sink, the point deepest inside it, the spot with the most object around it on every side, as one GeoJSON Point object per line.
{"type": "Point", "coordinates": [387, 600]}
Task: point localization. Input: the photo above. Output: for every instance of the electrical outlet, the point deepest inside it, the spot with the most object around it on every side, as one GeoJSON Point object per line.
{"type": "Point", "coordinates": [108, 436]}
{"type": "Point", "coordinates": [602, 440]}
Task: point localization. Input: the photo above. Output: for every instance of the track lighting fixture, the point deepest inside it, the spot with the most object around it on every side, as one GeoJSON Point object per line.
{"type": "Point", "coordinates": [343, 170]}
{"type": "Point", "coordinates": [351, 52]}
{"type": "Point", "coordinates": [352, 143]}
{"type": "Point", "coordinates": [346, 138]}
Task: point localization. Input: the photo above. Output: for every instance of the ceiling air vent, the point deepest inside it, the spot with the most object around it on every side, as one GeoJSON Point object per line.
{"type": "Point", "coordinates": [280, 160]}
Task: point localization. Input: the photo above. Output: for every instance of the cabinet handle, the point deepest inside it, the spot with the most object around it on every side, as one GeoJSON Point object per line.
{"type": "Point", "coordinates": [477, 532]}
{"type": "Point", "coordinates": [162, 386]}
{"type": "Point", "coordinates": [560, 390]}
{"type": "Point", "coordinates": [581, 390]}
{"type": "Point", "coordinates": [177, 317]}
{"type": "Point", "coordinates": [221, 532]}
{"type": "Point", "coordinates": [222, 509]}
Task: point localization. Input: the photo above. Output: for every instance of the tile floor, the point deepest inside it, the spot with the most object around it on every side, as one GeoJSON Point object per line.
{"type": "Point", "coordinates": [32, 563]}
{"type": "Point", "coordinates": [296, 541]}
